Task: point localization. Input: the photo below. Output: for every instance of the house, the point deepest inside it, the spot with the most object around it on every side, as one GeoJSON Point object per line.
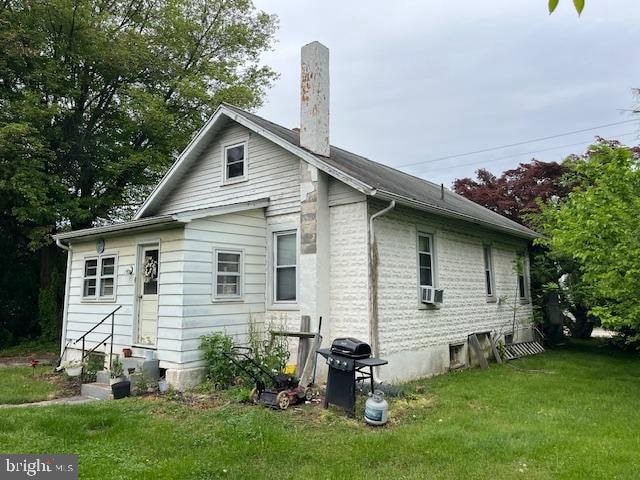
{"type": "Point", "coordinates": [258, 222]}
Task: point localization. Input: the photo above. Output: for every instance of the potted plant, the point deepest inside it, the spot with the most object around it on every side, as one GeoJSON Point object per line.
{"type": "Point", "coordinates": [73, 368]}
{"type": "Point", "coordinates": [117, 371]}
{"type": "Point", "coordinates": [120, 386]}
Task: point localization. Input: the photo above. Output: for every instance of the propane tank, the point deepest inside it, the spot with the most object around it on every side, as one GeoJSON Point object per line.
{"type": "Point", "coordinates": [376, 409]}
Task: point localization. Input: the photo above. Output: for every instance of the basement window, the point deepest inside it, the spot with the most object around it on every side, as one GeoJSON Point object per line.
{"type": "Point", "coordinates": [228, 274]}
{"type": "Point", "coordinates": [235, 162]}
{"type": "Point", "coordinates": [99, 279]}
{"type": "Point", "coordinates": [456, 355]}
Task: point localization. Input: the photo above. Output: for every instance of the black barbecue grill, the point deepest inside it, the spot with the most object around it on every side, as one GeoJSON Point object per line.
{"type": "Point", "coordinates": [349, 361]}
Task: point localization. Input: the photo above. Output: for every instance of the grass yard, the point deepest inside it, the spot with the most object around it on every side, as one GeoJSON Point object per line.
{"type": "Point", "coordinates": [31, 349]}
{"type": "Point", "coordinates": [23, 385]}
{"type": "Point", "coordinates": [575, 416]}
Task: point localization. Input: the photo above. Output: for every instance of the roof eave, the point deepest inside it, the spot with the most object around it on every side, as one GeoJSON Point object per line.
{"type": "Point", "coordinates": [451, 214]}
{"type": "Point", "coordinates": [146, 224]}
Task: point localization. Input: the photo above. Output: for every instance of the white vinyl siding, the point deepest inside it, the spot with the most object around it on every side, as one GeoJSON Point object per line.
{"type": "Point", "coordinates": [274, 173]}
{"type": "Point", "coordinates": [84, 313]}
{"type": "Point", "coordinates": [339, 193]}
{"type": "Point", "coordinates": [99, 280]}
{"type": "Point", "coordinates": [228, 274]}
{"type": "Point", "coordinates": [201, 312]}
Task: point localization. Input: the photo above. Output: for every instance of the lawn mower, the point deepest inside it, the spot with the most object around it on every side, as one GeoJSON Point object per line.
{"type": "Point", "coordinates": [284, 390]}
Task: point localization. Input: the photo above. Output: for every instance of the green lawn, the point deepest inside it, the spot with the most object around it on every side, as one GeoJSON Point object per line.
{"type": "Point", "coordinates": [31, 349]}
{"type": "Point", "coordinates": [576, 416]}
{"type": "Point", "coordinates": [23, 385]}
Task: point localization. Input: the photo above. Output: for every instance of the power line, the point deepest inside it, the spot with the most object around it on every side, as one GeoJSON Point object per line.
{"type": "Point", "coordinates": [520, 154]}
{"type": "Point", "coordinates": [447, 157]}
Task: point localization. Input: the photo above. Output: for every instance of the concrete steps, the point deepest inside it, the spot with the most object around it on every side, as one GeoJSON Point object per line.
{"type": "Point", "coordinates": [99, 391]}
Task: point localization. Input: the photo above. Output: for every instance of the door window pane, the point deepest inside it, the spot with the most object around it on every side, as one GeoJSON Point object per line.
{"type": "Point", "coordinates": [150, 272]}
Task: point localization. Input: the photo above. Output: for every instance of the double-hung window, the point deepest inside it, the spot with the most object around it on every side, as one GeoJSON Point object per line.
{"type": "Point", "coordinates": [523, 283]}
{"type": "Point", "coordinates": [235, 162]}
{"type": "Point", "coordinates": [425, 260]}
{"type": "Point", "coordinates": [488, 272]}
{"type": "Point", "coordinates": [99, 280]}
{"type": "Point", "coordinates": [285, 266]}
{"type": "Point", "coordinates": [228, 273]}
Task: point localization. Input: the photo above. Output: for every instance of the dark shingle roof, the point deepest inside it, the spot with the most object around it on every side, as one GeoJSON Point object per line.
{"type": "Point", "coordinates": [389, 180]}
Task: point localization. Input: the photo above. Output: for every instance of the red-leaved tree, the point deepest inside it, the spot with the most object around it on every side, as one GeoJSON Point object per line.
{"type": "Point", "coordinates": [516, 192]}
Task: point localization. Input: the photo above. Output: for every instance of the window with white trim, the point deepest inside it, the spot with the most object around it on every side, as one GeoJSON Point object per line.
{"type": "Point", "coordinates": [285, 266]}
{"type": "Point", "coordinates": [99, 280]}
{"type": "Point", "coordinates": [228, 273]}
{"type": "Point", "coordinates": [523, 281]}
{"type": "Point", "coordinates": [425, 260]}
{"type": "Point", "coordinates": [235, 162]}
{"type": "Point", "coordinates": [488, 271]}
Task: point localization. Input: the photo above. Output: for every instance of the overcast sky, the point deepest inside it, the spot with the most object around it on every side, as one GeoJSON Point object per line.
{"type": "Point", "coordinates": [413, 81]}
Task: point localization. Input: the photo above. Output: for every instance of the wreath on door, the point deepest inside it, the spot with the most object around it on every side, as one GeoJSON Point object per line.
{"type": "Point", "coordinates": [150, 269]}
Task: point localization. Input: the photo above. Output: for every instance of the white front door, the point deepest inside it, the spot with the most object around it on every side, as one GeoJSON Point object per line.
{"type": "Point", "coordinates": [148, 267]}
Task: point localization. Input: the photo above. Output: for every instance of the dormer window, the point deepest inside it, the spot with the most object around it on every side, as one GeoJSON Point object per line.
{"type": "Point", "coordinates": [235, 162]}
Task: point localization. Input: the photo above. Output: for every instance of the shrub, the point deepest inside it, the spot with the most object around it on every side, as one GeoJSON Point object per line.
{"type": "Point", "coordinates": [272, 353]}
{"type": "Point", "coordinates": [220, 370]}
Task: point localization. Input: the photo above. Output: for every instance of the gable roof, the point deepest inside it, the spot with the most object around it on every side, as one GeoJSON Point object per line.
{"type": "Point", "coordinates": [367, 176]}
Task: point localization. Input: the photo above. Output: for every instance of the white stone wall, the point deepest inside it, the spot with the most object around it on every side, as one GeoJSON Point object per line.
{"type": "Point", "coordinates": [349, 292]}
{"type": "Point", "coordinates": [414, 338]}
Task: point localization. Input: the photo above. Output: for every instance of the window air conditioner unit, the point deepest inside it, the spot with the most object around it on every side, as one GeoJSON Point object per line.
{"type": "Point", "coordinates": [431, 296]}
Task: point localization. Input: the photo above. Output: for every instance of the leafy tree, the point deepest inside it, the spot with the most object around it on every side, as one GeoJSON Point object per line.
{"type": "Point", "coordinates": [597, 227]}
{"type": "Point", "coordinates": [517, 194]}
{"type": "Point", "coordinates": [98, 96]}
{"type": "Point", "coordinates": [517, 191]}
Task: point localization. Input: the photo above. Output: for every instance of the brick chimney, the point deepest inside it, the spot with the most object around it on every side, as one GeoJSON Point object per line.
{"type": "Point", "coordinates": [314, 99]}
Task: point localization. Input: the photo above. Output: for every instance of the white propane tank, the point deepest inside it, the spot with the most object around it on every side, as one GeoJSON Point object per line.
{"type": "Point", "coordinates": [376, 409]}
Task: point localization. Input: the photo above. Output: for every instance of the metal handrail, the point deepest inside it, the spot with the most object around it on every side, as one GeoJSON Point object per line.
{"type": "Point", "coordinates": [110, 336]}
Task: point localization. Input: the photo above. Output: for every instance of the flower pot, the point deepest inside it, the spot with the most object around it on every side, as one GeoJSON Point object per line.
{"type": "Point", "coordinates": [127, 352]}
{"type": "Point", "coordinates": [74, 371]}
{"type": "Point", "coordinates": [121, 389]}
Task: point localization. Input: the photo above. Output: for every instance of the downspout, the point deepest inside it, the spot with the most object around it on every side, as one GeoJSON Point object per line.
{"type": "Point", "coordinates": [373, 282]}
{"type": "Point", "coordinates": [67, 290]}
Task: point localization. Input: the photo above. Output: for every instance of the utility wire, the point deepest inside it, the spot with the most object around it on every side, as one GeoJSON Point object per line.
{"type": "Point", "coordinates": [447, 157]}
{"type": "Point", "coordinates": [519, 154]}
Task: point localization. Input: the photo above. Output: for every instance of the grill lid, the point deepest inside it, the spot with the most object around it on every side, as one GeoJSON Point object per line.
{"type": "Point", "coordinates": [351, 347]}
